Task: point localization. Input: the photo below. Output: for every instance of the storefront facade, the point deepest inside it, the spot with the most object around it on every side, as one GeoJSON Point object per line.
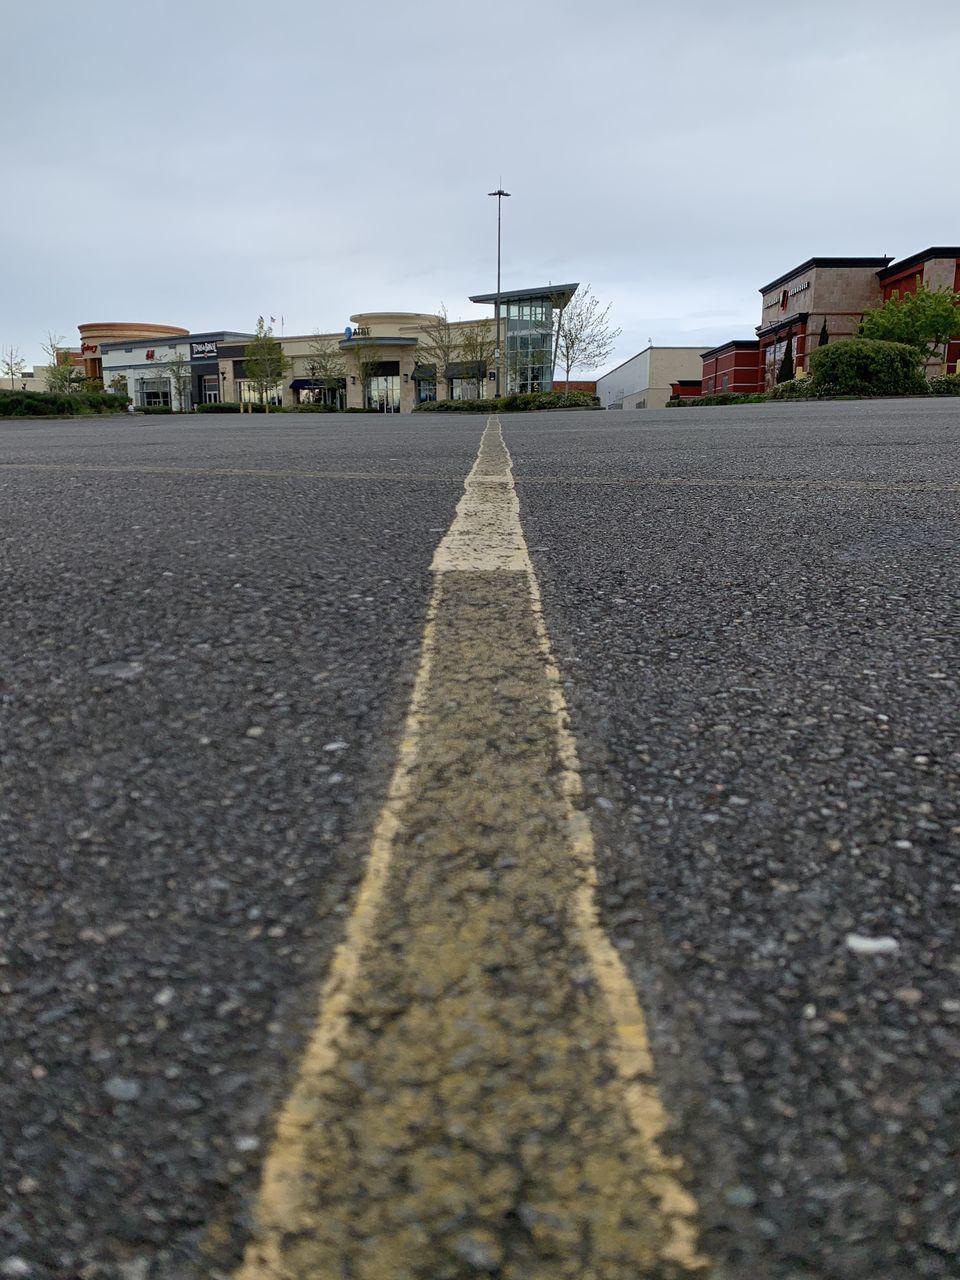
{"type": "Point", "coordinates": [822, 299]}
{"type": "Point", "coordinates": [93, 337]}
{"type": "Point", "coordinates": [175, 374]}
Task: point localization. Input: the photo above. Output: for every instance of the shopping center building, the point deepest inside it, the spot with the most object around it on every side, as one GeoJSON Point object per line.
{"type": "Point", "coordinates": [824, 300]}
{"type": "Point", "coordinates": [384, 360]}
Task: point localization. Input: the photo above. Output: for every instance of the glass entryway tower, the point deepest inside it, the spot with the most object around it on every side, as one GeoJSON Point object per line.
{"type": "Point", "coordinates": [527, 316]}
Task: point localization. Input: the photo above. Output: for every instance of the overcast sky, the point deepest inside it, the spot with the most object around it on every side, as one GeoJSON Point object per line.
{"type": "Point", "coordinates": [202, 163]}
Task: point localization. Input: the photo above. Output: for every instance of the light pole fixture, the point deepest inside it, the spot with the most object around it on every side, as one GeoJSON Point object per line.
{"type": "Point", "coordinates": [499, 193]}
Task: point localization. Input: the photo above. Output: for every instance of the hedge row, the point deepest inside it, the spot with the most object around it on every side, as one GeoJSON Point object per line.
{"type": "Point", "coordinates": [56, 404]}
{"type": "Point", "coordinates": [516, 402]}
{"type": "Point", "coordinates": [229, 406]}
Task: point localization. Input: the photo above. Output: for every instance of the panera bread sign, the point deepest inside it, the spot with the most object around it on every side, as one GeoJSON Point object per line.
{"type": "Point", "coordinates": [203, 350]}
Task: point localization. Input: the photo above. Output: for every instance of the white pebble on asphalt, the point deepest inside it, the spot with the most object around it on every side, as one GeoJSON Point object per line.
{"type": "Point", "coordinates": [861, 945]}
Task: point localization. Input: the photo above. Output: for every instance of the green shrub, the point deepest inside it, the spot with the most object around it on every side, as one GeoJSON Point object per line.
{"type": "Point", "coordinates": [515, 402]}
{"type": "Point", "coordinates": [153, 409]}
{"type": "Point", "coordinates": [719, 398]}
{"type": "Point", "coordinates": [231, 406]}
{"type": "Point", "coordinates": [948, 385]}
{"type": "Point", "coordinates": [795, 389]}
{"type": "Point", "coordinates": [58, 404]}
{"type": "Point", "coordinates": [312, 406]}
{"type": "Point", "coordinates": [456, 406]}
{"type": "Point", "coordinates": [867, 367]}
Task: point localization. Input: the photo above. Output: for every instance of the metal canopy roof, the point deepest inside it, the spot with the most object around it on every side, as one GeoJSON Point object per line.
{"type": "Point", "coordinates": [561, 292]}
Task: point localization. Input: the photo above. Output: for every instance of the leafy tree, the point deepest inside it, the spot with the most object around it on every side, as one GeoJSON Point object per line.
{"type": "Point", "coordinates": [118, 384]}
{"type": "Point", "coordinates": [927, 319]}
{"type": "Point", "coordinates": [824, 334]}
{"type": "Point", "coordinates": [11, 364]}
{"type": "Point", "coordinates": [477, 348]}
{"type": "Point", "coordinates": [785, 372]}
{"type": "Point", "coordinates": [264, 362]}
{"type": "Point", "coordinates": [583, 337]}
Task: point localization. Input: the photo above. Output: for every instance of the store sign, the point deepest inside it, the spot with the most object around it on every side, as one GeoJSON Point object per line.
{"type": "Point", "coordinates": [203, 350]}
{"type": "Point", "coordinates": [799, 288]}
{"type": "Point", "coordinates": [89, 348]}
{"type": "Point", "coordinates": [150, 353]}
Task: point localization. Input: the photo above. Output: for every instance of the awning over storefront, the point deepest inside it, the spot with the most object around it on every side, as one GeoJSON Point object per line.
{"type": "Point", "coordinates": [316, 384]}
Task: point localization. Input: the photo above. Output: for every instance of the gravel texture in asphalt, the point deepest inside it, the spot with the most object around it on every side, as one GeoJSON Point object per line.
{"type": "Point", "coordinates": [202, 680]}
{"type": "Point", "coordinates": [207, 642]}
{"type": "Point", "coordinates": [758, 617]}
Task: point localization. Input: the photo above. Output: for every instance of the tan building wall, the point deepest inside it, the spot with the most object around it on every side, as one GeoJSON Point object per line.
{"type": "Point", "coordinates": [940, 273]}
{"type": "Point", "coordinates": [670, 364]}
{"type": "Point", "coordinates": [384, 336]}
{"type": "Point", "coordinates": [643, 381]}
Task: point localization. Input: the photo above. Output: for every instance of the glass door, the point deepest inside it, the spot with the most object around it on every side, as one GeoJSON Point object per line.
{"type": "Point", "coordinates": [383, 394]}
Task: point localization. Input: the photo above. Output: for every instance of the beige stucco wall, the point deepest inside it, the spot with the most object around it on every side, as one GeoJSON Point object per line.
{"type": "Point", "coordinates": [829, 290]}
{"type": "Point", "coordinates": [382, 326]}
{"type": "Point", "coordinates": [939, 273]}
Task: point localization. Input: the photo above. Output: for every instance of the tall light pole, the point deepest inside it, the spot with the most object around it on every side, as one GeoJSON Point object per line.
{"type": "Point", "coordinates": [499, 193]}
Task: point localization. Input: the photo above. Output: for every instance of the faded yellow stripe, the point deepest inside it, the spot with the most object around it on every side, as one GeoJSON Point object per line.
{"type": "Point", "coordinates": [422, 1127]}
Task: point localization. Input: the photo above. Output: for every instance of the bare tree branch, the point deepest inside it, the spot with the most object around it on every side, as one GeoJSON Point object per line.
{"type": "Point", "coordinates": [583, 336]}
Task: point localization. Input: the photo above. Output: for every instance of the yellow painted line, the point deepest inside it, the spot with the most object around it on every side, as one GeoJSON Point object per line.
{"type": "Point", "coordinates": [478, 1093]}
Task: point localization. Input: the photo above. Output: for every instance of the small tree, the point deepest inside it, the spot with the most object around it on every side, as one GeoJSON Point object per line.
{"type": "Point", "coordinates": [325, 363]}
{"type": "Point", "coordinates": [177, 369]}
{"type": "Point", "coordinates": [365, 360]}
{"type": "Point", "coordinates": [11, 364]}
{"type": "Point", "coordinates": [440, 343]}
{"type": "Point", "coordinates": [927, 320]}
{"type": "Point", "coordinates": [264, 362]}
{"type": "Point", "coordinates": [583, 337]}
{"type": "Point", "coordinates": [118, 385]}
{"type": "Point", "coordinates": [63, 376]}
{"type": "Point", "coordinates": [785, 372]}
{"type": "Point", "coordinates": [477, 347]}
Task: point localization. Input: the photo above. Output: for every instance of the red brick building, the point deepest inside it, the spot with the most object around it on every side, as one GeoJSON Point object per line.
{"type": "Point", "coordinates": [934, 268]}
{"type": "Point", "coordinates": [824, 297]}
{"type": "Point", "coordinates": [733, 367]}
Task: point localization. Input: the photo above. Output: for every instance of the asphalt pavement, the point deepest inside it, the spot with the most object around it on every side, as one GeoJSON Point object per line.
{"type": "Point", "coordinates": [208, 640]}
{"type": "Point", "coordinates": [758, 616]}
